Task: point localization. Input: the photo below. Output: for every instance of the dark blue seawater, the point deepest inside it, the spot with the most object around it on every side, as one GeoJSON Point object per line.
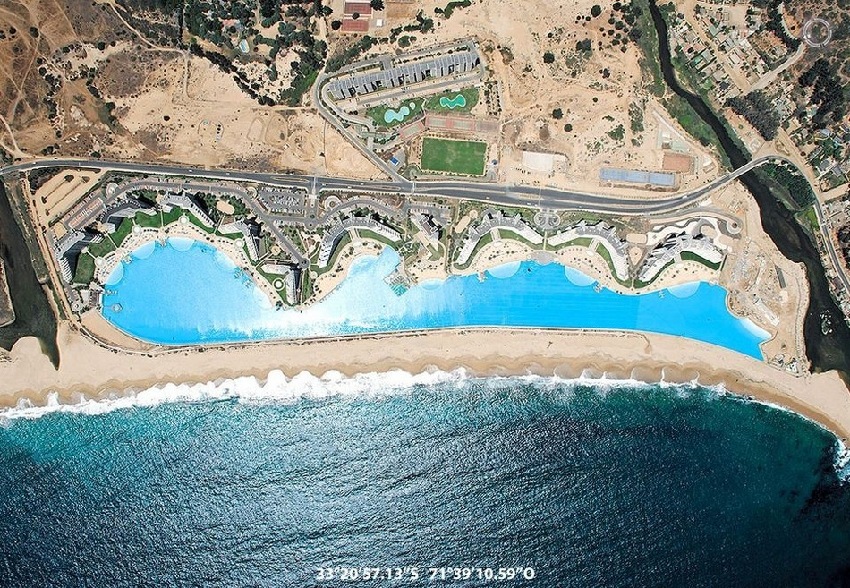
{"type": "Point", "coordinates": [590, 486]}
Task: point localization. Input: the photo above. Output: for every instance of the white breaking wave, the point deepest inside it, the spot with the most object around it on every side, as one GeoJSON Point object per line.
{"type": "Point", "coordinates": [279, 389]}
{"type": "Point", "coordinates": [842, 461]}
{"type": "Point", "coordinates": [276, 388]}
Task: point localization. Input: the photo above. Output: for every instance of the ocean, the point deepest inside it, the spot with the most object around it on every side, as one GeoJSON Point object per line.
{"type": "Point", "coordinates": [302, 481]}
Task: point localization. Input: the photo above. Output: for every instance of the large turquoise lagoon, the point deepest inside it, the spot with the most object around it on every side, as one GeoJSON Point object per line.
{"type": "Point", "coordinates": [187, 292]}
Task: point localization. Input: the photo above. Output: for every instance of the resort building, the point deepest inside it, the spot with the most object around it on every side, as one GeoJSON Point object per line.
{"type": "Point", "coordinates": [68, 240]}
{"type": "Point", "coordinates": [492, 223]}
{"type": "Point", "coordinates": [428, 226]}
{"type": "Point", "coordinates": [671, 250]}
{"type": "Point", "coordinates": [288, 274]}
{"type": "Point", "coordinates": [182, 201]}
{"type": "Point", "coordinates": [389, 76]}
{"type": "Point", "coordinates": [250, 237]}
{"type": "Point", "coordinates": [601, 234]}
{"type": "Point", "coordinates": [336, 231]}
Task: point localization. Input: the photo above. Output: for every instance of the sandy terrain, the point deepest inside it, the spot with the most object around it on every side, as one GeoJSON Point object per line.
{"type": "Point", "coordinates": [62, 191]}
{"type": "Point", "coordinates": [594, 92]}
{"type": "Point", "coordinates": [214, 123]}
{"type": "Point", "coordinates": [28, 375]}
{"type": "Point", "coordinates": [328, 281]}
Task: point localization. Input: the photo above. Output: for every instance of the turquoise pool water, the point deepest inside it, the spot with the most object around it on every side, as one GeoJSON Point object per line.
{"type": "Point", "coordinates": [458, 101]}
{"type": "Point", "coordinates": [391, 116]}
{"type": "Point", "coordinates": [187, 292]}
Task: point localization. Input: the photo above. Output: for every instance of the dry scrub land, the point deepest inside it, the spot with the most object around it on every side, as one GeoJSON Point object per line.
{"type": "Point", "coordinates": [114, 80]}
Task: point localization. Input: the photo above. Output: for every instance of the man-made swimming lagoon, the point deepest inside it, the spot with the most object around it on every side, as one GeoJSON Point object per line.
{"type": "Point", "coordinates": [186, 292]}
{"type": "Point", "coordinates": [458, 101]}
{"type": "Point", "coordinates": [392, 115]}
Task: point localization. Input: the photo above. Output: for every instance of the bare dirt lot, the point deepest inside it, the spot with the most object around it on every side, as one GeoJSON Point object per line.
{"type": "Point", "coordinates": [93, 87]}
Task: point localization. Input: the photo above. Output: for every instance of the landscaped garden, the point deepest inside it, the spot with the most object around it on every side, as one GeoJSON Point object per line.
{"type": "Point", "coordinates": [388, 117]}
{"type": "Point", "coordinates": [462, 101]}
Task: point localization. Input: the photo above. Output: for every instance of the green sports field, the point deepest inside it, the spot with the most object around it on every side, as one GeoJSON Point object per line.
{"type": "Point", "coordinates": [457, 157]}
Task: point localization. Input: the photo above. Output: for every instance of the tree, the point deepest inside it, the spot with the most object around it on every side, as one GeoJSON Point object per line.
{"type": "Point", "coordinates": [377, 4]}
{"type": "Point", "coordinates": [355, 16]}
{"type": "Point", "coordinates": [568, 128]}
{"type": "Point", "coordinates": [557, 113]}
{"type": "Point", "coordinates": [267, 8]}
{"type": "Point", "coordinates": [584, 45]}
{"type": "Point", "coordinates": [757, 109]}
{"type": "Point", "coordinates": [336, 24]}
{"type": "Point", "coordinates": [595, 10]}
{"type": "Point", "coordinates": [548, 57]}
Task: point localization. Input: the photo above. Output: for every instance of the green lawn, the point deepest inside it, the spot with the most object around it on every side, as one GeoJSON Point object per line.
{"type": "Point", "coordinates": [376, 113]}
{"type": "Point", "coordinates": [85, 269]}
{"type": "Point", "coordinates": [470, 94]}
{"type": "Point", "coordinates": [458, 157]}
{"type": "Point", "coordinates": [148, 220]}
{"type": "Point", "coordinates": [578, 242]}
{"type": "Point", "coordinates": [809, 219]}
{"type": "Point", "coordinates": [102, 248]}
{"type": "Point", "coordinates": [122, 232]}
{"type": "Point", "coordinates": [691, 256]}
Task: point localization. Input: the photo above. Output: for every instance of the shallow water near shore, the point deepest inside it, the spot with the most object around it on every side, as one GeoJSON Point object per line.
{"type": "Point", "coordinates": [185, 293]}
{"type": "Point", "coordinates": [588, 483]}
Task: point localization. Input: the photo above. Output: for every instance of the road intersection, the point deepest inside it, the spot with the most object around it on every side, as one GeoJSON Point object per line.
{"type": "Point", "coordinates": [543, 197]}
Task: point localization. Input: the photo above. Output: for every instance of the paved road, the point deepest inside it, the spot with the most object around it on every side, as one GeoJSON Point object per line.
{"type": "Point", "coordinates": [497, 194]}
{"type": "Point", "coordinates": [491, 193]}
{"type": "Point", "coordinates": [317, 97]}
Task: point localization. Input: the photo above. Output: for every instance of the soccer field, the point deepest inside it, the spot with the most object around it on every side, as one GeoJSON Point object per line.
{"type": "Point", "coordinates": [458, 157]}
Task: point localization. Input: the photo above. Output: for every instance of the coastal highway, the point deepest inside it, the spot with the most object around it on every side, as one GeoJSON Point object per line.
{"type": "Point", "coordinates": [492, 193]}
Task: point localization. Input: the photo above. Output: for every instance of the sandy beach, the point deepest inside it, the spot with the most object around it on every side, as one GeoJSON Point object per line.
{"type": "Point", "coordinates": [647, 357]}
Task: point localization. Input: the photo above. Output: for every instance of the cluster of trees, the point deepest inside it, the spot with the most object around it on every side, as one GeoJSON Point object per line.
{"type": "Point", "coordinates": [165, 31]}
{"type": "Point", "coordinates": [451, 7]}
{"type": "Point", "coordinates": [774, 23]}
{"type": "Point", "coordinates": [844, 242]}
{"type": "Point", "coordinates": [164, 6]}
{"type": "Point", "coordinates": [624, 28]}
{"type": "Point", "coordinates": [585, 46]}
{"type": "Point", "coordinates": [423, 24]}
{"type": "Point", "coordinates": [225, 65]}
{"type": "Point", "coordinates": [347, 55]}
{"type": "Point", "coordinates": [828, 92]}
{"type": "Point", "coordinates": [759, 112]}
{"type": "Point", "coordinates": [790, 179]}
{"type": "Point", "coordinates": [204, 19]}
{"type": "Point", "coordinates": [207, 202]}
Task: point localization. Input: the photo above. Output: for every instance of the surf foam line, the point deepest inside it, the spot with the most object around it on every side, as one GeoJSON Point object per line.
{"type": "Point", "coordinates": [841, 462]}
{"type": "Point", "coordinates": [277, 388]}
